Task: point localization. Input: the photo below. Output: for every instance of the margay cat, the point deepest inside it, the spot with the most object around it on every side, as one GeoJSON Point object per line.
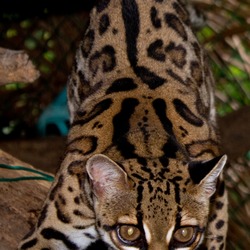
{"type": "Point", "coordinates": [142, 169]}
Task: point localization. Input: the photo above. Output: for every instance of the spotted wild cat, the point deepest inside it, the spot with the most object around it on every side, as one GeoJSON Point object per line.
{"type": "Point", "coordinates": [143, 168]}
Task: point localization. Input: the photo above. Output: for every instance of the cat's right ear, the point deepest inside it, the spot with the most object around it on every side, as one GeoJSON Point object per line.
{"type": "Point", "coordinates": [206, 173]}
{"type": "Point", "coordinates": [107, 177]}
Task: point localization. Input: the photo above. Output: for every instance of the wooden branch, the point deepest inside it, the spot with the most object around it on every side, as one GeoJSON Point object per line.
{"type": "Point", "coordinates": [15, 66]}
{"type": "Point", "coordinates": [20, 202]}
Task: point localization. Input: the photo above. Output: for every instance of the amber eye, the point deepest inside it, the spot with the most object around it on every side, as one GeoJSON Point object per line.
{"type": "Point", "coordinates": [185, 235]}
{"type": "Point", "coordinates": [128, 234]}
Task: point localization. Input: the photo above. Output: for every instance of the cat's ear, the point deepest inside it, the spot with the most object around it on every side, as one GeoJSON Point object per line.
{"type": "Point", "coordinates": [206, 173]}
{"type": "Point", "coordinates": [107, 177]}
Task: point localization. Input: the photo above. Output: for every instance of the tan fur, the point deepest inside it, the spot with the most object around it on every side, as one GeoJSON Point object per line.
{"type": "Point", "coordinates": [137, 136]}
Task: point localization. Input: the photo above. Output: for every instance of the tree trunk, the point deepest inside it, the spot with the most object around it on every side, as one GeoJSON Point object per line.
{"type": "Point", "coordinates": [20, 202]}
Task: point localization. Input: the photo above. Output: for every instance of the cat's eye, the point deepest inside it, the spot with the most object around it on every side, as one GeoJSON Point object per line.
{"type": "Point", "coordinates": [128, 234]}
{"type": "Point", "coordinates": [185, 235]}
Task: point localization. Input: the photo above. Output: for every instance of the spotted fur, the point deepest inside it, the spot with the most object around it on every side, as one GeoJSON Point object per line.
{"type": "Point", "coordinates": [142, 156]}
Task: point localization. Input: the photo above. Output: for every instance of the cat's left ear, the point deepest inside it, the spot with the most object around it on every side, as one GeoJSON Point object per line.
{"type": "Point", "coordinates": [107, 177]}
{"type": "Point", "coordinates": [206, 173]}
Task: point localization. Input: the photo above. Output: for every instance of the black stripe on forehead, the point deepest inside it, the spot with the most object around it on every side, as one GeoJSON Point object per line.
{"type": "Point", "coordinates": [178, 218]}
{"type": "Point", "coordinates": [177, 191]}
{"type": "Point", "coordinates": [139, 214]}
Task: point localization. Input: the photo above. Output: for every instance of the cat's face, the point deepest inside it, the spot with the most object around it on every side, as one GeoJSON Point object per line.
{"type": "Point", "coordinates": [147, 206]}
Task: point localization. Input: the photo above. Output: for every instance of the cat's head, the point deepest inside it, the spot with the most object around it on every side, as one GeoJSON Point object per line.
{"type": "Point", "coordinates": [151, 203]}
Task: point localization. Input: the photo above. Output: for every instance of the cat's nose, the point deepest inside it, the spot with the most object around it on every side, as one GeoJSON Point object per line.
{"type": "Point", "coordinates": [158, 246]}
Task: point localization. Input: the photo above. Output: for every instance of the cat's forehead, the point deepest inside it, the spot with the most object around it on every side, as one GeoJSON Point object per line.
{"type": "Point", "coordinates": [161, 168]}
{"type": "Point", "coordinates": [163, 161]}
{"type": "Point", "coordinates": [161, 194]}
{"type": "Point", "coordinates": [158, 201]}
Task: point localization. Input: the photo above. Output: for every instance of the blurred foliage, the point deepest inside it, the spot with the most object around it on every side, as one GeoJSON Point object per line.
{"type": "Point", "coordinates": [226, 36]}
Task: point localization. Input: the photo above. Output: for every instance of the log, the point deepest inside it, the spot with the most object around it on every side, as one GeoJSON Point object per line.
{"type": "Point", "coordinates": [15, 66]}
{"type": "Point", "coordinates": [20, 202]}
